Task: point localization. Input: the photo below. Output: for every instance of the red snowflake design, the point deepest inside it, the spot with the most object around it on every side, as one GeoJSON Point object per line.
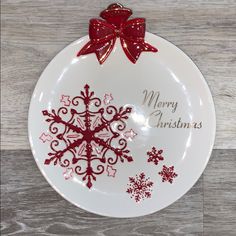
{"type": "Point", "coordinates": [87, 136]}
{"type": "Point", "coordinates": [155, 156]}
{"type": "Point", "coordinates": [168, 174]}
{"type": "Point", "coordinates": [139, 187]}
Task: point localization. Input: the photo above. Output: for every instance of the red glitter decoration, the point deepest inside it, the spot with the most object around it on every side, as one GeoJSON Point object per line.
{"type": "Point", "coordinates": [111, 172]}
{"type": "Point", "coordinates": [139, 187]}
{"type": "Point", "coordinates": [155, 156]}
{"type": "Point", "coordinates": [45, 137]}
{"type": "Point", "coordinates": [66, 100]}
{"type": "Point", "coordinates": [107, 99]}
{"type": "Point", "coordinates": [68, 173]}
{"type": "Point", "coordinates": [130, 134]}
{"type": "Point", "coordinates": [168, 174]}
{"type": "Point", "coordinates": [103, 34]}
{"type": "Point", "coordinates": [85, 136]}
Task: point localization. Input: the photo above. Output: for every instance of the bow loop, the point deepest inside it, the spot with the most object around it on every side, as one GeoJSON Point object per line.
{"type": "Point", "coordinates": [134, 30]}
{"type": "Point", "coordinates": [101, 31]}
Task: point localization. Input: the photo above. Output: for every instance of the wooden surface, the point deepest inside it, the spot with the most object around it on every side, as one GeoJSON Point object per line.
{"type": "Point", "coordinates": [31, 207]}
{"type": "Point", "coordinates": [34, 31]}
{"type": "Point", "coordinates": [31, 35]}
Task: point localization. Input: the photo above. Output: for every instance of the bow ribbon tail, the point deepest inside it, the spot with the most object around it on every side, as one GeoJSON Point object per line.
{"type": "Point", "coordinates": [133, 49]}
{"type": "Point", "coordinates": [101, 49]}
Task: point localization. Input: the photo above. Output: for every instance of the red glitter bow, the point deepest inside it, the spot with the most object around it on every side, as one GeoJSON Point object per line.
{"type": "Point", "coordinates": [103, 34]}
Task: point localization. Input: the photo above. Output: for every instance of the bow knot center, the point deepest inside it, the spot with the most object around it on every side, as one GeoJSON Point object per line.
{"type": "Point", "coordinates": [118, 32]}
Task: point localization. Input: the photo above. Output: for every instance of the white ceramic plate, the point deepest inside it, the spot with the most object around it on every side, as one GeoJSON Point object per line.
{"type": "Point", "coordinates": [153, 150]}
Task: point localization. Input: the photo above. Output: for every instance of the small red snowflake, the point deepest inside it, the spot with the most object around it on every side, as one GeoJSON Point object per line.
{"type": "Point", "coordinates": [107, 98]}
{"type": "Point", "coordinates": [155, 156]}
{"type": "Point", "coordinates": [65, 99]}
{"type": "Point", "coordinates": [111, 172]}
{"type": "Point", "coordinates": [45, 137]}
{"type": "Point", "coordinates": [68, 173]}
{"type": "Point", "coordinates": [130, 134]}
{"type": "Point", "coordinates": [139, 187]}
{"type": "Point", "coordinates": [168, 174]}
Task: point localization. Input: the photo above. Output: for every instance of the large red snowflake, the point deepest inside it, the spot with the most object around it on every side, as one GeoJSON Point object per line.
{"type": "Point", "coordinates": [168, 174]}
{"type": "Point", "coordinates": [139, 187]}
{"type": "Point", "coordinates": [155, 156]}
{"type": "Point", "coordinates": [87, 136]}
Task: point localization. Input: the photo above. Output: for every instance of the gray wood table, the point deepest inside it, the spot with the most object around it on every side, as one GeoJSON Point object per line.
{"type": "Point", "coordinates": [32, 33]}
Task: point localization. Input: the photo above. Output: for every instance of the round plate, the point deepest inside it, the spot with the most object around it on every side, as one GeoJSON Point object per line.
{"type": "Point", "coordinates": [121, 134]}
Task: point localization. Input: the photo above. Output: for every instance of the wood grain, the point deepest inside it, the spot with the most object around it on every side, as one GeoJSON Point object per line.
{"type": "Point", "coordinates": [34, 31]}
{"type": "Point", "coordinates": [29, 206]}
{"type": "Point", "coordinates": [219, 187]}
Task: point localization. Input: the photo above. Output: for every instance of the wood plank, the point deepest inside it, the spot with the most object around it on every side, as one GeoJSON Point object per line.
{"type": "Point", "coordinates": [31, 207]}
{"type": "Point", "coordinates": [34, 31]}
{"type": "Point", "coordinates": [220, 194]}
